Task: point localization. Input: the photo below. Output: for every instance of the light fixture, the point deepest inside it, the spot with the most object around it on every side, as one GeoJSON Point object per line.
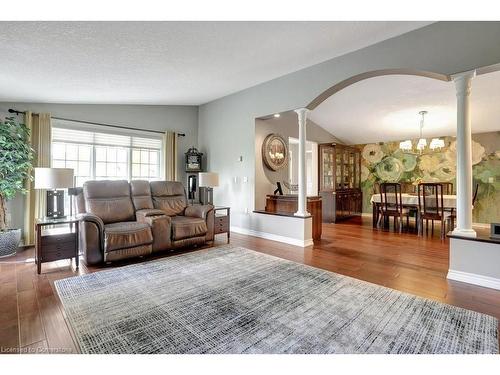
{"type": "Point", "coordinates": [53, 179]}
{"type": "Point", "coordinates": [422, 142]}
{"type": "Point", "coordinates": [208, 180]}
{"type": "Point", "coordinates": [436, 143]}
{"type": "Point", "coordinates": [276, 115]}
{"type": "Point", "coordinates": [406, 145]}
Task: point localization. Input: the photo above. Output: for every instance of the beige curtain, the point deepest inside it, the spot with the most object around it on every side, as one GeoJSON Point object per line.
{"type": "Point", "coordinates": [170, 155]}
{"type": "Point", "coordinates": [35, 200]}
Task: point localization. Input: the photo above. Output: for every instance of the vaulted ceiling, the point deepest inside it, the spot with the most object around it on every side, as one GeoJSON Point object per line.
{"type": "Point", "coordinates": [386, 108]}
{"type": "Point", "coordinates": [167, 62]}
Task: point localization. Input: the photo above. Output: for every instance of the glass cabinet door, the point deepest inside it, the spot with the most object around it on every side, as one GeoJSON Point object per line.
{"type": "Point", "coordinates": [327, 164]}
{"type": "Point", "coordinates": [357, 170]}
{"type": "Point", "coordinates": [352, 170]}
{"type": "Point", "coordinates": [338, 166]}
{"type": "Point", "coordinates": [347, 170]}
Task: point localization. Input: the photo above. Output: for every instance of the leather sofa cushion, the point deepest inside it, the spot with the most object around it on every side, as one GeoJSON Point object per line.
{"type": "Point", "coordinates": [141, 195]}
{"type": "Point", "coordinates": [126, 235]}
{"type": "Point", "coordinates": [186, 227]}
{"type": "Point", "coordinates": [166, 188]}
{"type": "Point", "coordinates": [169, 196]}
{"type": "Point", "coordinates": [110, 200]}
{"type": "Point", "coordinates": [170, 205]}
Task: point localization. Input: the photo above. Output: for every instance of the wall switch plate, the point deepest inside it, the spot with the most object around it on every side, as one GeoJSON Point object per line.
{"type": "Point", "coordinates": [245, 179]}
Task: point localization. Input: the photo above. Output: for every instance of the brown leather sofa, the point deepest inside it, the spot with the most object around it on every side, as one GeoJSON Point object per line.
{"type": "Point", "coordinates": [120, 220]}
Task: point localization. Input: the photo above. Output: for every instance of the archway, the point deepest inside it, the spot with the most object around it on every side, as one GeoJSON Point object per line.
{"type": "Point", "coordinates": [374, 73]}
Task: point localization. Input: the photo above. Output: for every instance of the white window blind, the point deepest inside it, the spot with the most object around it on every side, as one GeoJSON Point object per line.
{"type": "Point", "coordinates": [62, 134]}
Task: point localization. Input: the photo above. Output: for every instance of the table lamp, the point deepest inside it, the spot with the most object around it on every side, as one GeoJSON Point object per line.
{"type": "Point", "coordinates": [208, 180]}
{"type": "Point", "coordinates": [53, 179]}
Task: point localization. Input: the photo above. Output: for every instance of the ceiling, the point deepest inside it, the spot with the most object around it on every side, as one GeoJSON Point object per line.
{"type": "Point", "coordinates": [386, 108]}
{"type": "Point", "coordinates": [167, 62]}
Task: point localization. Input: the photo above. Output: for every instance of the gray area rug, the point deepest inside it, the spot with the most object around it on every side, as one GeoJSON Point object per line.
{"type": "Point", "coordinates": [234, 300]}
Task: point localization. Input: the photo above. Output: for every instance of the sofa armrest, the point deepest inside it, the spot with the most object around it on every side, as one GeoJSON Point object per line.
{"type": "Point", "coordinates": [148, 212]}
{"type": "Point", "coordinates": [161, 228]}
{"type": "Point", "coordinates": [92, 218]}
{"type": "Point", "coordinates": [198, 211]}
{"type": "Point", "coordinates": [91, 235]}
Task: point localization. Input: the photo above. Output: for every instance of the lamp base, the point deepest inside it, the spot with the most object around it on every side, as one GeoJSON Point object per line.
{"type": "Point", "coordinates": [206, 195]}
{"type": "Point", "coordinates": [55, 204]}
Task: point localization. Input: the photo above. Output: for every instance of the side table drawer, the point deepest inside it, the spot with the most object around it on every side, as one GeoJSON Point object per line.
{"type": "Point", "coordinates": [60, 251]}
{"type": "Point", "coordinates": [49, 240]}
{"type": "Point", "coordinates": [221, 224]}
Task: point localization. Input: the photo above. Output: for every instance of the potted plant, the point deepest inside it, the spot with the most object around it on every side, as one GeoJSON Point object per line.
{"type": "Point", "coordinates": [16, 155]}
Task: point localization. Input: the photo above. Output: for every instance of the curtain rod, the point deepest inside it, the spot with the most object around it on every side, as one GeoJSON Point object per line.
{"type": "Point", "coordinates": [100, 124]}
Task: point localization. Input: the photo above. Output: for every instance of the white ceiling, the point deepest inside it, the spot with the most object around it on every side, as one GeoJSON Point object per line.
{"type": "Point", "coordinates": [167, 62]}
{"type": "Point", "coordinates": [386, 108]}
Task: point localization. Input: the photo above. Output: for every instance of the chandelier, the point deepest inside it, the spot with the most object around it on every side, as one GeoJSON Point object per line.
{"type": "Point", "coordinates": [421, 145]}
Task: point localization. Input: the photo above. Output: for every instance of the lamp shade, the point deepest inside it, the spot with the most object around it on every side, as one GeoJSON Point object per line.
{"type": "Point", "coordinates": [53, 178]}
{"type": "Point", "coordinates": [209, 179]}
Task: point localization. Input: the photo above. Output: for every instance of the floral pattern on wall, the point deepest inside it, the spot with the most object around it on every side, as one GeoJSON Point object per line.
{"type": "Point", "coordinates": [386, 162]}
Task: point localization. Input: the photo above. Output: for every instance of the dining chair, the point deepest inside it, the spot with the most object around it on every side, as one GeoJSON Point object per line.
{"type": "Point", "coordinates": [453, 215]}
{"type": "Point", "coordinates": [407, 187]}
{"type": "Point", "coordinates": [447, 188]}
{"type": "Point", "coordinates": [391, 204]}
{"type": "Point", "coordinates": [431, 207]}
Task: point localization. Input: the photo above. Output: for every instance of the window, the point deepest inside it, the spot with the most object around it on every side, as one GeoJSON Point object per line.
{"type": "Point", "coordinates": [95, 155]}
{"type": "Point", "coordinates": [145, 164]}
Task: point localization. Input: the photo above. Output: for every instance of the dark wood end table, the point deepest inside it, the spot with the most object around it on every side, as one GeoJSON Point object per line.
{"type": "Point", "coordinates": [56, 243]}
{"type": "Point", "coordinates": [222, 222]}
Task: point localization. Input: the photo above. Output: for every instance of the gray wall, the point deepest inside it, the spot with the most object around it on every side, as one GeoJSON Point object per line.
{"type": "Point", "coordinates": [183, 119]}
{"type": "Point", "coordinates": [227, 125]}
{"type": "Point", "coordinates": [286, 126]}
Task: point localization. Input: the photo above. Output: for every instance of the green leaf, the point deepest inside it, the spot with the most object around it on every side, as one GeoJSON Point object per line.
{"type": "Point", "coordinates": [16, 155]}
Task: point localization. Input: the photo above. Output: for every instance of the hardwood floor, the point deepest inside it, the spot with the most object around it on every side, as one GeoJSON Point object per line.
{"type": "Point", "coordinates": [33, 321]}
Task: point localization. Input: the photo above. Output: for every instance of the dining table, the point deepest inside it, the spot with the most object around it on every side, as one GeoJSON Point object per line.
{"type": "Point", "coordinates": [409, 200]}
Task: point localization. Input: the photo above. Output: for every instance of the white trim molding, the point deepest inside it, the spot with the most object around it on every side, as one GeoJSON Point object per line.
{"type": "Point", "coordinates": [273, 237]}
{"type": "Point", "coordinates": [472, 278]}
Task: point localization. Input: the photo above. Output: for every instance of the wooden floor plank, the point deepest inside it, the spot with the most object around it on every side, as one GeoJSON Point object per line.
{"type": "Point", "coordinates": [57, 332]}
{"type": "Point", "coordinates": [34, 319]}
{"type": "Point", "coordinates": [31, 329]}
{"type": "Point", "coordinates": [40, 347]}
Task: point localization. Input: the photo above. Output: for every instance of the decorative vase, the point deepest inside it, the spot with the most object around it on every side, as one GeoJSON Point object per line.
{"type": "Point", "coordinates": [9, 242]}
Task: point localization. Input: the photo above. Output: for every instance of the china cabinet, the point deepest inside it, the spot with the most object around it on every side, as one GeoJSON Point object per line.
{"type": "Point", "coordinates": [339, 181]}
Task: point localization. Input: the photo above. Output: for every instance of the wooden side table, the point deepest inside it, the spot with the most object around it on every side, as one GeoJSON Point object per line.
{"type": "Point", "coordinates": [222, 222]}
{"type": "Point", "coordinates": [56, 243]}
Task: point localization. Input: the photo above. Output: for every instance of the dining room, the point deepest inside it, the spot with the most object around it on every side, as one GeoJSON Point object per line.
{"type": "Point", "coordinates": [400, 135]}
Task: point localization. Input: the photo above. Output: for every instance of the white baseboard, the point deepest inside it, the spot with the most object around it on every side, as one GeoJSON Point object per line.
{"type": "Point", "coordinates": [273, 237]}
{"type": "Point", "coordinates": [472, 278]}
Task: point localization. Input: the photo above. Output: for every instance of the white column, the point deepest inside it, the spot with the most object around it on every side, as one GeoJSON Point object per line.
{"type": "Point", "coordinates": [302, 199]}
{"type": "Point", "coordinates": [464, 155]}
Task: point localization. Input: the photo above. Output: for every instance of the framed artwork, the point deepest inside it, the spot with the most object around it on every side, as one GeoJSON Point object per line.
{"type": "Point", "coordinates": [275, 152]}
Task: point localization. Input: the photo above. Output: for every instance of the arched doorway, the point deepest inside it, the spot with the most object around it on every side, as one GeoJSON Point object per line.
{"type": "Point", "coordinates": [374, 73]}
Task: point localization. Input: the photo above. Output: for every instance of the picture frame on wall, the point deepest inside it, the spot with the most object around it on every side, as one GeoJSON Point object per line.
{"type": "Point", "coordinates": [275, 152]}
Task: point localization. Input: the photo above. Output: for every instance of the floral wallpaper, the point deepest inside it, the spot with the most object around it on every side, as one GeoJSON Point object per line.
{"type": "Point", "coordinates": [386, 162]}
